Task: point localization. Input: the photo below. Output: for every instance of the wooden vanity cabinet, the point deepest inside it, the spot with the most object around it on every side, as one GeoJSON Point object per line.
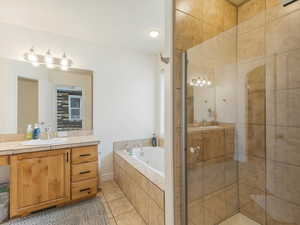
{"type": "Point", "coordinates": [84, 172]}
{"type": "Point", "coordinates": [39, 180]}
{"type": "Point", "coordinates": [49, 178]}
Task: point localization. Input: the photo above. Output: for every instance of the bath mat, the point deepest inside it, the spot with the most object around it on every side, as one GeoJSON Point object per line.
{"type": "Point", "coordinates": [89, 212]}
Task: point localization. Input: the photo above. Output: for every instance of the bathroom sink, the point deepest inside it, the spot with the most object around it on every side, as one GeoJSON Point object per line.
{"type": "Point", "coordinates": [45, 142]}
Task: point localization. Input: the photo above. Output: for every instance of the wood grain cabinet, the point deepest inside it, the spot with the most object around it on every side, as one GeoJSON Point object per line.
{"type": "Point", "coordinates": [44, 179]}
{"type": "Point", "coordinates": [84, 172]}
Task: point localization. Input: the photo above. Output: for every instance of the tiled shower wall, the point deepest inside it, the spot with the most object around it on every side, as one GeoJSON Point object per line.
{"type": "Point", "coordinates": [196, 21]}
{"type": "Point", "coordinates": [268, 105]}
{"type": "Point", "coordinates": [251, 144]}
{"type": "Point", "coordinates": [269, 63]}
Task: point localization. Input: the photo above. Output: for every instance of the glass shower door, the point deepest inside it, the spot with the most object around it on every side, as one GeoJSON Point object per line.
{"type": "Point", "coordinates": [241, 136]}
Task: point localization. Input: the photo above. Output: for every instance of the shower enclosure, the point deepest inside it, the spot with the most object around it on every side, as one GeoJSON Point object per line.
{"type": "Point", "coordinates": [237, 112]}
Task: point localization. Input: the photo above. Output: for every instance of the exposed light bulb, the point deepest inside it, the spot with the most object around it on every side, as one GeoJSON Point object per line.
{"type": "Point", "coordinates": [64, 68]}
{"type": "Point", "coordinates": [208, 83]}
{"type": "Point", "coordinates": [50, 65]}
{"type": "Point", "coordinates": [32, 57]}
{"type": "Point", "coordinates": [64, 61]}
{"type": "Point", "coordinates": [35, 64]}
{"type": "Point", "coordinates": [48, 57]}
{"type": "Point", "coordinates": [154, 34]}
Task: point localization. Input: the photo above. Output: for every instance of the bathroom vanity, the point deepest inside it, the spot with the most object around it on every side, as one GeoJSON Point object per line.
{"type": "Point", "coordinates": [43, 176]}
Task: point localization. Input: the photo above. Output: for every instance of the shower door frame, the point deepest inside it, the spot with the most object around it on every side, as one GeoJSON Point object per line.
{"type": "Point", "coordinates": [184, 62]}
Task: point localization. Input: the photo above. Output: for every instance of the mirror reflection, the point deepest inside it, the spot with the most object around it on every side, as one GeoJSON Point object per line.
{"type": "Point", "coordinates": [56, 100]}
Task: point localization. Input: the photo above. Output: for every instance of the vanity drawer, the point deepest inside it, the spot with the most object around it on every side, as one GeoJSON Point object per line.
{"type": "Point", "coordinates": [84, 171]}
{"type": "Point", "coordinates": [84, 189]}
{"type": "Point", "coordinates": [84, 154]}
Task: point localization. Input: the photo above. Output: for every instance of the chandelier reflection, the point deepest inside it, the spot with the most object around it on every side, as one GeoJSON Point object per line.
{"type": "Point", "coordinates": [200, 82]}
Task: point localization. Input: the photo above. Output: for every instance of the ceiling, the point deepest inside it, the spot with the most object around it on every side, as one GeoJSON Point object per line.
{"type": "Point", "coordinates": [237, 2]}
{"type": "Point", "coordinates": [115, 23]}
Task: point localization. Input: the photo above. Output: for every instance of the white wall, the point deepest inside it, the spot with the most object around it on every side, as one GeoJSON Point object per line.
{"type": "Point", "coordinates": [124, 83]}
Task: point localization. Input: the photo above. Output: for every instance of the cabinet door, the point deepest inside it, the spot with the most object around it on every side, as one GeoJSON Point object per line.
{"type": "Point", "coordinates": [195, 149]}
{"type": "Point", "coordinates": [39, 180]}
{"type": "Point", "coordinates": [213, 144]}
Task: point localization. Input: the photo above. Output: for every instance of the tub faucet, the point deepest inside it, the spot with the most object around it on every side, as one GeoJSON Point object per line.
{"type": "Point", "coordinates": [128, 149]}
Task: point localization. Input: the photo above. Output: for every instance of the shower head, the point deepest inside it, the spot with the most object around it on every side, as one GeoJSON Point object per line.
{"type": "Point", "coordinates": [288, 2]}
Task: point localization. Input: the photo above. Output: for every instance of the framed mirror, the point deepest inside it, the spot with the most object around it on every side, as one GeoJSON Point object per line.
{"type": "Point", "coordinates": [56, 99]}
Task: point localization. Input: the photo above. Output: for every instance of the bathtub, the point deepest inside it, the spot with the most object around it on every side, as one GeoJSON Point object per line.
{"type": "Point", "coordinates": [141, 177]}
{"type": "Point", "coordinates": [149, 161]}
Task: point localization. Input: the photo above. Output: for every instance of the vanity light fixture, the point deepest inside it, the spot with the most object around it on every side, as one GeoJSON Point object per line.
{"type": "Point", "coordinates": [50, 65]}
{"type": "Point", "coordinates": [154, 34]}
{"type": "Point", "coordinates": [48, 60]}
{"type": "Point", "coordinates": [64, 68]}
{"type": "Point", "coordinates": [48, 57]}
{"type": "Point", "coordinates": [64, 60]}
{"type": "Point", "coordinates": [35, 64]}
{"type": "Point", "coordinates": [31, 56]}
{"type": "Point", "coordinates": [200, 82]}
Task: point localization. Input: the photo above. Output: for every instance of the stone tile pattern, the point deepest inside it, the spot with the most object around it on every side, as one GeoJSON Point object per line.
{"type": "Point", "coordinates": [146, 198]}
{"type": "Point", "coordinates": [196, 21]}
{"type": "Point", "coordinates": [118, 209]}
{"type": "Point", "coordinates": [268, 43]}
{"type": "Point", "coordinates": [212, 177]}
{"type": "Point", "coordinates": [269, 147]}
{"type": "Point", "coordinates": [201, 20]}
{"type": "Point", "coordinates": [119, 145]}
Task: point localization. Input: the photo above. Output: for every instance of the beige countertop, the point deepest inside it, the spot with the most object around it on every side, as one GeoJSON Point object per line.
{"type": "Point", "coordinates": [12, 148]}
{"type": "Point", "coordinates": [207, 128]}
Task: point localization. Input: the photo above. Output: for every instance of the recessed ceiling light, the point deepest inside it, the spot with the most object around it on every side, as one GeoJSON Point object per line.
{"type": "Point", "coordinates": [154, 34]}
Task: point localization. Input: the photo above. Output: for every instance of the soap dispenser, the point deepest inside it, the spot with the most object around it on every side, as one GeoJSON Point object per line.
{"type": "Point", "coordinates": [154, 140]}
{"type": "Point", "coordinates": [36, 132]}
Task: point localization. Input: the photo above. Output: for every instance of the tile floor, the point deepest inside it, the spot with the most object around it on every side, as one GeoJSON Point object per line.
{"type": "Point", "coordinates": [238, 219]}
{"type": "Point", "coordinates": [119, 210]}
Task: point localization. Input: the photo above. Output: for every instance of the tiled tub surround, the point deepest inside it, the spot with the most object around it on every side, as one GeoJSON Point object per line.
{"type": "Point", "coordinates": [147, 196]}
{"type": "Point", "coordinates": [212, 175]}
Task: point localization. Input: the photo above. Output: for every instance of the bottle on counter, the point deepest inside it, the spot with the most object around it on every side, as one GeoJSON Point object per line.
{"type": "Point", "coordinates": [154, 140]}
{"type": "Point", "coordinates": [29, 132]}
{"type": "Point", "coordinates": [36, 132]}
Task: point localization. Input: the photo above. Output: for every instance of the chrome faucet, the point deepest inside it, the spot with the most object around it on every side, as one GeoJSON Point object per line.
{"type": "Point", "coordinates": [128, 149]}
{"type": "Point", "coordinates": [48, 130]}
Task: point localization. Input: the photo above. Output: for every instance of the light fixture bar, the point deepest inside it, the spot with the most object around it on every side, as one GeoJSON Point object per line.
{"type": "Point", "coordinates": [48, 60]}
